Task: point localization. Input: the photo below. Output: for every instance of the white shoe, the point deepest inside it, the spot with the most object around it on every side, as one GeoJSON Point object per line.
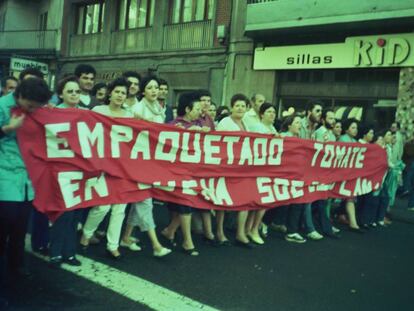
{"type": "Point", "coordinates": [295, 238]}
{"type": "Point", "coordinates": [133, 239]}
{"type": "Point", "coordinates": [162, 252]}
{"type": "Point", "coordinates": [132, 246]}
{"type": "Point", "coordinates": [335, 229]}
{"type": "Point", "coordinates": [315, 235]}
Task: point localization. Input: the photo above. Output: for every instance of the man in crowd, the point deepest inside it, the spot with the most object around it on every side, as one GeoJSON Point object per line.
{"type": "Point", "coordinates": [86, 75]}
{"type": "Point", "coordinates": [8, 85]}
{"type": "Point", "coordinates": [162, 99]}
{"type": "Point", "coordinates": [205, 119]}
{"type": "Point", "coordinates": [133, 78]}
{"type": "Point", "coordinates": [251, 118]}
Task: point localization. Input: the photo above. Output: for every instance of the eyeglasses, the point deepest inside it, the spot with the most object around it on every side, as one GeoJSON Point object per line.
{"type": "Point", "coordinates": [73, 91]}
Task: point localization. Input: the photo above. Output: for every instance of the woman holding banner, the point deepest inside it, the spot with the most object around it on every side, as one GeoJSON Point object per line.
{"type": "Point", "coordinates": [140, 214]}
{"type": "Point", "coordinates": [117, 92]}
{"type": "Point", "coordinates": [188, 111]}
{"type": "Point", "coordinates": [267, 114]}
{"type": "Point", "coordinates": [63, 232]}
{"type": "Point", "coordinates": [234, 122]}
{"type": "Point", "coordinates": [293, 213]}
{"type": "Point", "coordinates": [350, 128]}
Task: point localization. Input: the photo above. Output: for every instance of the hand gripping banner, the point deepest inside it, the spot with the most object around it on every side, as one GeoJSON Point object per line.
{"type": "Point", "coordinates": [78, 158]}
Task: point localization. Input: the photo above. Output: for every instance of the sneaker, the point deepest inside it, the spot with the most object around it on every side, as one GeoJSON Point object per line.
{"type": "Point", "coordinates": [278, 228]}
{"type": "Point", "coordinates": [295, 238]}
{"type": "Point", "coordinates": [315, 235]}
{"type": "Point", "coordinates": [162, 252]}
{"type": "Point", "coordinates": [72, 261]}
{"type": "Point", "coordinates": [132, 246]}
{"type": "Point", "coordinates": [335, 229]}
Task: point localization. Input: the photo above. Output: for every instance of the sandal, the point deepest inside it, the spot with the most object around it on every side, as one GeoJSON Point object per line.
{"type": "Point", "coordinates": [191, 251]}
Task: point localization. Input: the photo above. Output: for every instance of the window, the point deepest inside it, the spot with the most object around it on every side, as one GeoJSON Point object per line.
{"type": "Point", "coordinates": [182, 11]}
{"type": "Point", "coordinates": [135, 14]}
{"type": "Point", "coordinates": [90, 18]}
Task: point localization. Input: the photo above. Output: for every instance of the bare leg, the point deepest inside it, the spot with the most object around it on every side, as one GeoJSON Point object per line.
{"type": "Point", "coordinates": [250, 221]}
{"type": "Point", "coordinates": [241, 226]}
{"type": "Point", "coordinates": [127, 233]}
{"type": "Point", "coordinates": [350, 210]}
{"type": "Point", "coordinates": [254, 234]}
{"type": "Point", "coordinates": [185, 220]}
{"type": "Point", "coordinates": [207, 228]}
{"type": "Point", "coordinates": [156, 245]}
{"type": "Point", "coordinates": [220, 226]}
{"type": "Point", "coordinates": [170, 230]}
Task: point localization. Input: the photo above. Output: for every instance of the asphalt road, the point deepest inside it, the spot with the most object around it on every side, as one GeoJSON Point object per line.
{"type": "Point", "coordinates": [373, 271]}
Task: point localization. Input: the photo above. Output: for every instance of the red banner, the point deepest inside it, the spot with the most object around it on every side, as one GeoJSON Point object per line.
{"type": "Point", "coordinates": [78, 158]}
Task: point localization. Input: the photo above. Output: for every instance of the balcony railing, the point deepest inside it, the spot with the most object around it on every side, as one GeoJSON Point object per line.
{"type": "Point", "coordinates": [132, 40]}
{"type": "Point", "coordinates": [89, 44]}
{"type": "Point", "coordinates": [28, 40]}
{"type": "Point", "coordinates": [187, 35]}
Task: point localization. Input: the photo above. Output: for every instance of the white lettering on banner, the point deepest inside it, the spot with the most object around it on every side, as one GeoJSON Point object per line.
{"type": "Point", "coordinates": [88, 138]}
{"type": "Point", "coordinates": [246, 153]}
{"type": "Point", "coordinates": [98, 184]}
{"type": "Point", "coordinates": [185, 157]}
{"type": "Point", "coordinates": [170, 155]}
{"type": "Point", "coordinates": [338, 156]}
{"type": "Point", "coordinates": [69, 184]}
{"type": "Point", "coordinates": [119, 134]}
{"type": "Point", "coordinates": [260, 151]}
{"type": "Point", "coordinates": [278, 189]}
{"type": "Point", "coordinates": [142, 146]}
{"type": "Point", "coordinates": [212, 189]}
{"type": "Point", "coordinates": [210, 150]}
{"type": "Point", "coordinates": [54, 143]}
{"type": "Point", "coordinates": [275, 158]}
{"type": "Point", "coordinates": [230, 141]}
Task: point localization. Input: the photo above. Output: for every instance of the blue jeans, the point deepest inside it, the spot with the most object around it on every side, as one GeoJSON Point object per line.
{"type": "Point", "coordinates": [307, 218]}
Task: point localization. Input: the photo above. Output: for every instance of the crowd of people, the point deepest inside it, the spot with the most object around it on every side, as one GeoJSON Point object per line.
{"type": "Point", "coordinates": [145, 98]}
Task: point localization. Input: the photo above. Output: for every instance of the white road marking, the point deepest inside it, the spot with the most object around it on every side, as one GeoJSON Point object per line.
{"type": "Point", "coordinates": [131, 286]}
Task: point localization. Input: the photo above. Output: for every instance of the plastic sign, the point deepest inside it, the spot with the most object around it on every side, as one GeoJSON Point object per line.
{"type": "Point", "coordinates": [394, 50]}
{"type": "Point", "coordinates": [20, 64]}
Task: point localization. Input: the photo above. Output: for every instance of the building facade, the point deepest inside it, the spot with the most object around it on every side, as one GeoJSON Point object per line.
{"type": "Point", "coordinates": [30, 35]}
{"type": "Point", "coordinates": [357, 56]}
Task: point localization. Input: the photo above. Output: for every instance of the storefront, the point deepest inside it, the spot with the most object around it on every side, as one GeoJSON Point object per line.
{"type": "Point", "coordinates": [358, 78]}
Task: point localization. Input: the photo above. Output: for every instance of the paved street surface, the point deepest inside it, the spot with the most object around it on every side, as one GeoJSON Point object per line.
{"type": "Point", "coordinates": [373, 271]}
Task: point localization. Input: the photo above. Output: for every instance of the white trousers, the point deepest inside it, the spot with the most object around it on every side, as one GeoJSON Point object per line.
{"type": "Point", "coordinates": [95, 217]}
{"type": "Point", "coordinates": [141, 215]}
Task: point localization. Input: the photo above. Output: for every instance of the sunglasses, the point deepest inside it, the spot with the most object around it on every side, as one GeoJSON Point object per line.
{"type": "Point", "coordinates": [73, 91]}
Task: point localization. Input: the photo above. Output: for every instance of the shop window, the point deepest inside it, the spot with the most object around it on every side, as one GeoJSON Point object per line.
{"type": "Point", "coordinates": [318, 76]}
{"type": "Point", "coordinates": [341, 76]}
{"type": "Point", "coordinates": [183, 11]}
{"type": "Point", "coordinates": [291, 76]}
{"type": "Point", "coordinates": [135, 14]}
{"type": "Point", "coordinates": [90, 18]}
{"type": "Point", "coordinates": [304, 76]}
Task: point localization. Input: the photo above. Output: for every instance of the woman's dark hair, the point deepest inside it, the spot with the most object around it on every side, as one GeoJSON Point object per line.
{"type": "Point", "coordinates": [264, 107]}
{"type": "Point", "coordinates": [144, 82]}
{"type": "Point", "coordinates": [131, 74]}
{"type": "Point", "coordinates": [288, 121]}
{"type": "Point", "coordinates": [84, 68]}
{"type": "Point", "coordinates": [363, 129]}
{"type": "Point", "coordinates": [238, 97]}
{"type": "Point", "coordinates": [347, 123]}
{"type": "Point", "coordinates": [31, 71]}
{"type": "Point", "coordinates": [61, 84]}
{"type": "Point", "coordinates": [112, 85]}
{"type": "Point", "coordinates": [186, 100]}
{"type": "Point", "coordinates": [221, 116]}
{"type": "Point", "coordinates": [202, 93]}
{"type": "Point", "coordinates": [97, 87]}
{"type": "Point", "coordinates": [34, 89]}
